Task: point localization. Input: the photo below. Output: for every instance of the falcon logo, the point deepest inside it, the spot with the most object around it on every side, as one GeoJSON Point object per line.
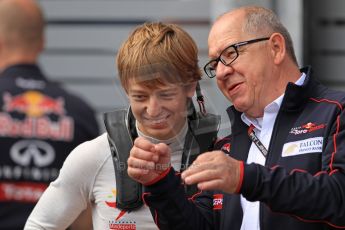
{"type": "Point", "coordinates": [310, 145]}
{"type": "Point", "coordinates": [290, 149]}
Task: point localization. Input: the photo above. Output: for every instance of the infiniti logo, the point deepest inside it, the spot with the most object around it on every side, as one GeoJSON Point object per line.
{"type": "Point", "coordinates": [27, 151]}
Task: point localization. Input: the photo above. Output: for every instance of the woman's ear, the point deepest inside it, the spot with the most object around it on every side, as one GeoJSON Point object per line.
{"type": "Point", "coordinates": [190, 88]}
{"type": "Point", "coordinates": [278, 48]}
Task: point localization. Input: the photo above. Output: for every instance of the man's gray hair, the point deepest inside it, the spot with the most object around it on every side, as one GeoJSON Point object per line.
{"type": "Point", "coordinates": [261, 20]}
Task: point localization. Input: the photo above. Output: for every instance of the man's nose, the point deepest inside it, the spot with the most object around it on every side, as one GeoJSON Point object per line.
{"type": "Point", "coordinates": [223, 71]}
{"type": "Point", "coordinates": [153, 107]}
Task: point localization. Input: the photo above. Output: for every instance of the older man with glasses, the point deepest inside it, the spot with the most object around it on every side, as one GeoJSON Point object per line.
{"type": "Point", "coordinates": [284, 162]}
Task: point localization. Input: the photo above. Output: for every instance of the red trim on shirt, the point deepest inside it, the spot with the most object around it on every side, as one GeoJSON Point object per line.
{"type": "Point", "coordinates": [337, 130]}
{"type": "Point", "coordinates": [239, 185]}
{"type": "Point", "coordinates": [334, 143]}
{"type": "Point", "coordinates": [327, 100]}
{"type": "Point", "coordinates": [221, 139]}
{"type": "Point", "coordinates": [192, 198]}
{"type": "Point", "coordinates": [156, 219]}
{"type": "Point", "coordinates": [143, 197]}
{"type": "Point", "coordinates": [161, 176]}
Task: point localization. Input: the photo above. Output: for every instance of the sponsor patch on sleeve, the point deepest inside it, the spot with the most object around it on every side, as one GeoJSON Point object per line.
{"type": "Point", "coordinates": [310, 145]}
{"type": "Point", "coordinates": [217, 201]}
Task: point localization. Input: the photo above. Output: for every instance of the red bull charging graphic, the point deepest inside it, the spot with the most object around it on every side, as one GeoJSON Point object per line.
{"type": "Point", "coordinates": [36, 107]}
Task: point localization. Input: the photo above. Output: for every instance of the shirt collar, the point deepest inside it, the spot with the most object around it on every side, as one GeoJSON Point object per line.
{"type": "Point", "coordinates": [273, 107]}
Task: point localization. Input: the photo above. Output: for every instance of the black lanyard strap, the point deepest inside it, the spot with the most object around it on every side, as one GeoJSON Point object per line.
{"type": "Point", "coordinates": [256, 141]}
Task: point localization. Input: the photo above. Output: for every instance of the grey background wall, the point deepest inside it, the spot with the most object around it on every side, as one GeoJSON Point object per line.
{"type": "Point", "coordinates": [324, 40]}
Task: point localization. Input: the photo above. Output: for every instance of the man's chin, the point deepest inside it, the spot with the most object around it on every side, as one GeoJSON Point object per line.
{"type": "Point", "coordinates": [239, 107]}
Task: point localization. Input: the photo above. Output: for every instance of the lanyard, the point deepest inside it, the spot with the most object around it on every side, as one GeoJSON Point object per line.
{"type": "Point", "coordinates": [256, 141]}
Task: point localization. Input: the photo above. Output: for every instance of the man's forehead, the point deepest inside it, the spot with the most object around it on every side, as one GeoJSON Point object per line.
{"type": "Point", "coordinates": [229, 23]}
{"type": "Point", "coordinates": [221, 40]}
{"type": "Point", "coordinates": [226, 30]}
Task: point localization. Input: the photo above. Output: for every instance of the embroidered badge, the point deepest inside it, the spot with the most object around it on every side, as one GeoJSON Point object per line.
{"type": "Point", "coordinates": [217, 201]}
{"type": "Point", "coordinates": [307, 128]}
{"type": "Point", "coordinates": [310, 145]}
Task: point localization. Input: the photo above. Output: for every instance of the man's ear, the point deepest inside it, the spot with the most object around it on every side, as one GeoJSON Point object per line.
{"type": "Point", "coordinates": [190, 88]}
{"type": "Point", "coordinates": [42, 44]}
{"type": "Point", "coordinates": [278, 47]}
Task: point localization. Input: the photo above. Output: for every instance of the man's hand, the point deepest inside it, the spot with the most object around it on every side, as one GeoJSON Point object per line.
{"type": "Point", "coordinates": [214, 171]}
{"type": "Point", "coordinates": [147, 161]}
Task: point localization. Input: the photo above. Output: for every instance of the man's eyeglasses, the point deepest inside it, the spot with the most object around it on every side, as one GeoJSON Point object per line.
{"type": "Point", "coordinates": [227, 56]}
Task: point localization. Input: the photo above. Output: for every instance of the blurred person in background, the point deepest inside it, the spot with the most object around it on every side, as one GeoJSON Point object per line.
{"type": "Point", "coordinates": [283, 166]}
{"type": "Point", "coordinates": [40, 122]}
{"type": "Point", "coordinates": [158, 68]}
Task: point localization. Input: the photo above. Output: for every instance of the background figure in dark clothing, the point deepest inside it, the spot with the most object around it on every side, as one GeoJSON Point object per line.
{"type": "Point", "coordinates": [40, 123]}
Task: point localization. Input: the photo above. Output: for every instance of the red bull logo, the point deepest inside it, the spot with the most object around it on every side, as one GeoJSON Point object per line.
{"type": "Point", "coordinates": [36, 106]}
{"type": "Point", "coordinates": [33, 104]}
